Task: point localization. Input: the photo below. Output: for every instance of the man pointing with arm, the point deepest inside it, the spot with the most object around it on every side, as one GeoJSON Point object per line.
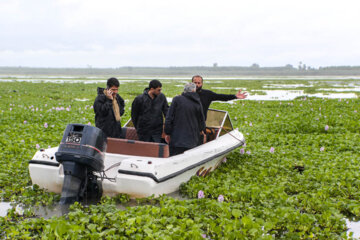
{"type": "Point", "coordinates": [207, 96]}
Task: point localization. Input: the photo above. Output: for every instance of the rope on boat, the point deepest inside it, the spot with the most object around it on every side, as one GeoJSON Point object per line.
{"type": "Point", "coordinates": [232, 135]}
{"type": "Point", "coordinates": [103, 173]}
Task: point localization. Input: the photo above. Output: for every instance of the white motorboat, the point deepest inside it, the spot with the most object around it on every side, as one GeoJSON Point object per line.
{"type": "Point", "coordinates": [138, 168]}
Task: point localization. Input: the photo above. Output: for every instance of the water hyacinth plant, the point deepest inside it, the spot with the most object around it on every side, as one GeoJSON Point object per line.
{"type": "Point", "coordinates": [304, 189]}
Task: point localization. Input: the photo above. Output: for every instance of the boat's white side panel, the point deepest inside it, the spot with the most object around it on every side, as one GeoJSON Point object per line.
{"type": "Point", "coordinates": [142, 186]}
{"type": "Point", "coordinates": [49, 177]}
{"type": "Point", "coordinates": [142, 176]}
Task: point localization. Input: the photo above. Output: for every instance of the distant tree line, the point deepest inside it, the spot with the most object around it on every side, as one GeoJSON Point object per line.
{"type": "Point", "coordinates": [214, 70]}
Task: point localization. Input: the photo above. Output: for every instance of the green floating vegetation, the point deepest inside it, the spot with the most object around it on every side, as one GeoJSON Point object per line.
{"type": "Point", "coordinates": [296, 178]}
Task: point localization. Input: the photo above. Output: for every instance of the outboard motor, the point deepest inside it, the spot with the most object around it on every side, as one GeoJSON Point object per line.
{"type": "Point", "coordinates": [81, 152]}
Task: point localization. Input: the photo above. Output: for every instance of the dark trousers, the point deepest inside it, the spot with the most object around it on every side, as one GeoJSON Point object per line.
{"type": "Point", "coordinates": [177, 150]}
{"type": "Point", "coordinates": [150, 138]}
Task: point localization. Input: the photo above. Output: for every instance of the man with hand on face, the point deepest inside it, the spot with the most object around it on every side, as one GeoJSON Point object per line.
{"type": "Point", "coordinates": [148, 111]}
{"type": "Point", "coordinates": [108, 108]}
{"type": "Point", "coordinates": [207, 96]}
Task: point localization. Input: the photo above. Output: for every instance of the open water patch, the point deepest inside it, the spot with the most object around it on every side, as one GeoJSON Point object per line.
{"type": "Point", "coordinates": [287, 86]}
{"type": "Point", "coordinates": [4, 208]}
{"type": "Point", "coordinates": [354, 227]}
{"type": "Point", "coordinates": [287, 95]}
{"type": "Point", "coordinates": [354, 89]}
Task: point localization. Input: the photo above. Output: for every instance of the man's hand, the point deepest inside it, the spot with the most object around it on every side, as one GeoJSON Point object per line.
{"type": "Point", "coordinates": [167, 139]}
{"type": "Point", "coordinates": [241, 95]}
{"type": "Point", "coordinates": [109, 94]}
{"type": "Point", "coordinates": [204, 136]}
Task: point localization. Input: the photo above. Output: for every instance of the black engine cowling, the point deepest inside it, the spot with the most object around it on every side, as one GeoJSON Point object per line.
{"type": "Point", "coordinates": [81, 152]}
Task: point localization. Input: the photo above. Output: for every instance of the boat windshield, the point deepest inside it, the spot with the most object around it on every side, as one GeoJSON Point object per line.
{"type": "Point", "coordinates": [218, 119]}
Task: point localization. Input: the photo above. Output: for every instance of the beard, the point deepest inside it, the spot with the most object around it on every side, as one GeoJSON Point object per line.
{"type": "Point", "coordinates": [198, 89]}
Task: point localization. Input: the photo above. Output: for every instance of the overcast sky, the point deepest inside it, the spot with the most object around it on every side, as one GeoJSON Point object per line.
{"type": "Point", "coordinates": [115, 33]}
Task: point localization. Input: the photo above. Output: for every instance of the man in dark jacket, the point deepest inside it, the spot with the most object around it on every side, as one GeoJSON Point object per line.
{"type": "Point", "coordinates": [148, 111]}
{"type": "Point", "coordinates": [185, 121]}
{"type": "Point", "coordinates": [207, 96]}
{"type": "Point", "coordinates": [108, 108]}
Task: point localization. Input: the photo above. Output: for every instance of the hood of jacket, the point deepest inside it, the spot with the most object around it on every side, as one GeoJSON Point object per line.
{"type": "Point", "coordinates": [193, 96]}
{"type": "Point", "coordinates": [100, 91]}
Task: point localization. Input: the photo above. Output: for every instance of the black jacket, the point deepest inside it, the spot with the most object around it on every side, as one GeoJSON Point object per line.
{"type": "Point", "coordinates": [185, 120]}
{"type": "Point", "coordinates": [147, 114]}
{"type": "Point", "coordinates": [207, 96]}
{"type": "Point", "coordinates": [104, 114]}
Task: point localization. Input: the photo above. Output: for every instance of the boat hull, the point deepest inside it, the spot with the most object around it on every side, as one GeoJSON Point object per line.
{"type": "Point", "coordinates": [141, 176]}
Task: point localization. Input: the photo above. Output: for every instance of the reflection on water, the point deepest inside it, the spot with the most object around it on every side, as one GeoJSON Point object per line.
{"type": "Point", "coordinates": [60, 210]}
{"type": "Point", "coordinates": [4, 207]}
{"type": "Point", "coordinates": [353, 227]}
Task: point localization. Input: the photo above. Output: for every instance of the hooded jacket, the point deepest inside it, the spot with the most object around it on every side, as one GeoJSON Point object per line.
{"type": "Point", "coordinates": [185, 120]}
{"type": "Point", "coordinates": [104, 114]}
{"type": "Point", "coordinates": [147, 114]}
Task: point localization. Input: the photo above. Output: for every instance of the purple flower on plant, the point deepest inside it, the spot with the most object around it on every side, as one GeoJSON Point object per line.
{"type": "Point", "coordinates": [37, 146]}
{"type": "Point", "coordinates": [224, 160]}
{"type": "Point", "coordinates": [10, 109]}
{"type": "Point", "coordinates": [203, 235]}
{"type": "Point", "coordinates": [326, 127]}
{"type": "Point", "coordinates": [355, 111]}
{"type": "Point", "coordinates": [322, 149]}
{"type": "Point", "coordinates": [250, 124]}
{"type": "Point", "coordinates": [277, 115]}
{"type": "Point", "coordinates": [248, 152]}
{"type": "Point", "coordinates": [49, 146]}
{"type": "Point", "coordinates": [25, 122]}
{"type": "Point", "coordinates": [220, 198]}
{"type": "Point", "coordinates": [89, 123]}
{"type": "Point", "coordinates": [272, 150]}
{"type": "Point", "coordinates": [45, 125]}
{"type": "Point", "coordinates": [242, 151]}
{"type": "Point", "coordinates": [201, 194]}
